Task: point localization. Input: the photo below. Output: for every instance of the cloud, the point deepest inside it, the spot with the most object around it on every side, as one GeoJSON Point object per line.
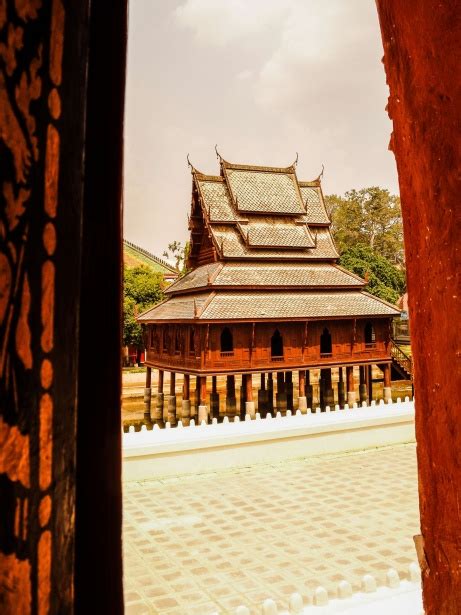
{"type": "Point", "coordinates": [220, 22]}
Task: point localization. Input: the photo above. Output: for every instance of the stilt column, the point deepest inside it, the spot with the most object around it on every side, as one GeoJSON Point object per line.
{"type": "Point", "coordinates": [203, 408]}
{"type": "Point", "coordinates": [147, 395]}
{"type": "Point", "coordinates": [249, 403]}
{"type": "Point", "coordinates": [363, 384]}
{"type": "Point", "coordinates": [309, 390]}
{"type": "Point", "coordinates": [289, 389]}
{"type": "Point", "coordinates": [369, 373]}
{"type": "Point", "coordinates": [214, 398]}
{"type": "Point", "coordinates": [302, 401]}
{"type": "Point", "coordinates": [387, 391]}
{"type": "Point", "coordinates": [157, 415]}
{"type": "Point", "coordinates": [231, 402]}
{"type": "Point", "coordinates": [281, 396]}
{"type": "Point", "coordinates": [341, 394]}
{"type": "Point", "coordinates": [263, 397]}
{"type": "Point", "coordinates": [270, 392]}
{"type": "Point", "coordinates": [350, 386]}
{"type": "Point", "coordinates": [172, 400]}
{"type": "Point", "coordinates": [185, 415]}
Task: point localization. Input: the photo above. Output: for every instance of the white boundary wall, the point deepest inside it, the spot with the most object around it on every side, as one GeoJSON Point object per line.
{"type": "Point", "coordinates": [156, 453]}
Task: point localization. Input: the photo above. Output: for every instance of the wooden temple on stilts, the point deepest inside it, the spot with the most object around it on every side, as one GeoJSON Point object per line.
{"type": "Point", "coordinates": [264, 298]}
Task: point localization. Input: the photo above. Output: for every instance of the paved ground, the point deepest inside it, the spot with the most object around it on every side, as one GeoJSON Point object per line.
{"type": "Point", "coordinates": [209, 543]}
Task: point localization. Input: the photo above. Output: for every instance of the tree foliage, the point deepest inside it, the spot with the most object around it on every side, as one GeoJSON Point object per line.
{"type": "Point", "coordinates": [384, 279]}
{"type": "Point", "coordinates": [179, 253]}
{"type": "Point", "coordinates": [369, 217]}
{"type": "Point", "coordinates": [142, 289]}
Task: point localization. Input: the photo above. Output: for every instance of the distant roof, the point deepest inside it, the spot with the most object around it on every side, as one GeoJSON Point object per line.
{"type": "Point", "coordinates": [229, 306]}
{"type": "Point", "coordinates": [261, 249]}
{"type": "Point", "coordinates": [134, 256]}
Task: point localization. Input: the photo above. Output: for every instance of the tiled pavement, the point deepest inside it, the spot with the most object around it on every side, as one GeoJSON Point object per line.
{"type": "Point", "coordinates": [204, 544]}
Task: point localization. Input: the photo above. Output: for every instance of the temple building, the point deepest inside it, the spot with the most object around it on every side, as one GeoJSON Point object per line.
{"type": "Point", "coordinates": [264, 297]}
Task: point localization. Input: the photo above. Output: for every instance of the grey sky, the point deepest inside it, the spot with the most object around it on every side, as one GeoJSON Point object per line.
{"type": "Point", "coordinates": [263, 79]}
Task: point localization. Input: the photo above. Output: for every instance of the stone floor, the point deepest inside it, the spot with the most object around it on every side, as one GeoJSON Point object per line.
{"type": "Point", "coordinates": [208, 543]}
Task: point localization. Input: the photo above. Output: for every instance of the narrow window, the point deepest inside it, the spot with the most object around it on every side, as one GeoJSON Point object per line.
{"type": "Point", "coordinates": [227, 342]}
{"type": "Point", "coordinates": [325, 343]}
{"type": "Point", "coordinates": [277, 346]}
{"type": "Point", "coordinates": [165, 339]}
{"type": "Point", "coordinates": [177, 341]}
{"type": "Point", "coordinates": [370, 338]}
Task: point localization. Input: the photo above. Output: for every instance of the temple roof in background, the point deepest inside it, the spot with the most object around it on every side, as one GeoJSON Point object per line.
{"type": "Point", "coordinates": [261, 249]}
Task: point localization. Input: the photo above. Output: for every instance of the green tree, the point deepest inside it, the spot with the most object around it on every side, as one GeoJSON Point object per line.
{"type": "Point", "coordinates": [384, 279]}
{"type": "Point", "coordinates": [369, 217]}
{"type": "Point", "coordinates": [142, 289]}
{"type": "Point", "coordinates": [179, 253]}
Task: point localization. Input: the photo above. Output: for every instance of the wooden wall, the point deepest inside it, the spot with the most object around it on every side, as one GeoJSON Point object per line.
{"type": "Point", "coordinates": [252, 345]}
{"type": "Point", "coordinates": [422, 57]}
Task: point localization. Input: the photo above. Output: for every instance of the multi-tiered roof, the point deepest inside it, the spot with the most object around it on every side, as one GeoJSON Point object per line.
{"type": "Point", "coordinates": [261, 249]}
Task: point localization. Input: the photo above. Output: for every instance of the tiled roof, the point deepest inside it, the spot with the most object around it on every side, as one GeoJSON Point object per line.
{"type": "Point", "coordinates": [134, 256]}
{"type": "Point", "coordinates": [270, 234]}
{"type": "Point", "coordinates": [233, 246]}
{"type": "Point", "coordinates": [176, 308]}
{"type": "Point", "coordinates": [216, 200]}
{"type": "Point", "coordinates": [312, 198]}
{"type": "Point", "coordinates": [265, 192]}
{"type": "Point", "coordinates": [230, 306]}
{"type": "Point", "coordinates": [285, 275]}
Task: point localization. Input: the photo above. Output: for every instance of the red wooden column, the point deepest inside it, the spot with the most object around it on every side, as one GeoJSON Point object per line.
{"type": "Point", "coordinates": [387, 391]}
{"type": "Point", "coordinates": [159, 400]}
{"type": "Point", "coordinates": [147, 394]}
{"type": "Point", "coordinates": [185, 414]}
{"type": "Point", "coordinates": [341, 395]}
{"type": "Point", "coordinates": [214, 398]}
{"type": "Point", "coordinates": [231, 402]}
{"type": "Point", "coordinates": [302, 400]}
{"type": "Point", "coordinates": [363, 392]}
{"type": "Point", "coordinates": [422, 56]}
{"type": "Point", "coordinates": [350, 385]}
{"type": "Point", "coordinates": [172, 400]}
{"type": "Point", "coordinates": [203, 409]}
{"type": "Point", "coordinates": [249, 403]}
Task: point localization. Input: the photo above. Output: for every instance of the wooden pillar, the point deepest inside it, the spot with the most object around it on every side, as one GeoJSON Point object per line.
{"type": "Point", "coordinates": [328, 394]}
{"type": "Point", "coordinates": [147, 395]}
{"type": "Point", "coordinates": [270, 392]}
{"type": "Point", "coordinates": [302, 401]}
{"type": "Point", "coordinates": [249, 387]}
{"type": "Point", "coordinates": [157, 415]}
{"type": "Point", "coordinates": [231, 402]}
{"type": "Point", "coordinates": [350, 385]}
{"type": "Point", "coordinates": [242, 396]}
{"type": "Point", "coordinates": [370, 383]}
{"type": "Point", "coordinates": [281, 396]}
{"type": "Point", "coordinates": [289, 389]}
{"type": "Point", "coordinates": [387, 391]}
{"type": "Point", "coordinates": [302, 383]}
{"type": "Point", "coordinates": [341, 392]}
{"type": "Point", "coordinates": [422, 52]}
{"type": "Point", "coordinates": [161, 376]}
{"type": "Point", "coordinates": [197, 393]}
{"type": "Point", "coordinates": [172, 400]}
{"type": "Point", "coordinates": [214, 398]}
{"type": "Point", "coordinates": [309, 390]}
{"type": "Point", "coordinates": [263, 397]}
{"type": "Point", "coordinates": [263, 381]}
{"type": "Point", "coordinates": [186, 409]}
{"type": "Point", "coordinates": [363, 392]}
{"type": "Point", "coordinates": [203, 409]}
{"type": "Point", "coordinates": [249, 403]}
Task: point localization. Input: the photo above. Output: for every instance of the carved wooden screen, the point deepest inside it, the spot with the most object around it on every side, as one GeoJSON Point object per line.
{"type": "Point", "coordinates": [50, 52]}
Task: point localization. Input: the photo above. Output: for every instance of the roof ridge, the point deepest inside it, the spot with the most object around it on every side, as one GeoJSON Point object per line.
{"type": "Point", "coordinates": [254, 167]}
{"type": "Point", "coordinates": [158, 260]}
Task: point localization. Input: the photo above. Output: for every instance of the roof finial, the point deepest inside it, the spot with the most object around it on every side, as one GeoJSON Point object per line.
{"type": "Point", "coordinates": [295, 163]}
{"type": "Point", "coordinates": [317, 179]}
{"type": "Point", "coordinates": [189, 164]}
{"type": "Point", "coordinates": [218, 155]}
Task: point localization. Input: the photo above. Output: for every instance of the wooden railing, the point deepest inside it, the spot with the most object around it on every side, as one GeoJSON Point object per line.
{"type": "Point", "coordinates": [401, 358]}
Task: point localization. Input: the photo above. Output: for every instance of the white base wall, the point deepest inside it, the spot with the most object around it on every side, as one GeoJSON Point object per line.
{"type": "Point", "coordinates": [196, 449]}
